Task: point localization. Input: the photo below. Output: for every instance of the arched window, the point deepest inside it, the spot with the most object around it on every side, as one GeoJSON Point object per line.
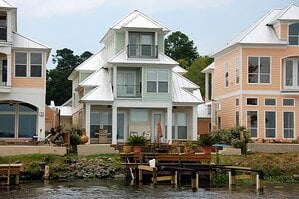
{"type": "Point", "coordinates": [27, 120]}
{"type": "Point", "coordinates": [294, 34]}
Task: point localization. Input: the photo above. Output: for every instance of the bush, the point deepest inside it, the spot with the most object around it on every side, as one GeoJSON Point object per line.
{"type": "Point", "coordinates": [75, 135]}
{"type": "Point", "coordinates": [206, 140]}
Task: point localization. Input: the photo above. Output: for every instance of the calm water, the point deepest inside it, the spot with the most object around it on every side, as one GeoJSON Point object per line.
{"type": "Point", "coordinates": [121, 189]}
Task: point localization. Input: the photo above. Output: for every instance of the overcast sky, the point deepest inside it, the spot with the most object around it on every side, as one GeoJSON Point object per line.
{"type": "Point", "coordinates": [80, 24]}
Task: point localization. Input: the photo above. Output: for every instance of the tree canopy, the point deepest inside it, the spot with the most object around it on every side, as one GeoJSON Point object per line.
{"type": "Point", "coordinates": [194, 73]}
{"type": "Point", "coordinates": [59, 88]}
{"type": "Point", "coordinates": [178, 46]}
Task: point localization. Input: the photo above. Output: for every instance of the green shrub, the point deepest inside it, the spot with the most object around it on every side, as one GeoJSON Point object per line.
{"type": "Point", "coordinates": [136, 140]}
{"type": "Point", "coordinates": [206, 140]}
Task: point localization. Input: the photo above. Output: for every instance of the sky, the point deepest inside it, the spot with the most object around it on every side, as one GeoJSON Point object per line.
{"type": "Point", "coordinates": [80, 24]}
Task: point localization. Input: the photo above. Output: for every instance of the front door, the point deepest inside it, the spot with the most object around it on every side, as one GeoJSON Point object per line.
{"type": "Point", "coordinates": [158, 119]}
{"type": "Point", "coordinates": [121, 127]}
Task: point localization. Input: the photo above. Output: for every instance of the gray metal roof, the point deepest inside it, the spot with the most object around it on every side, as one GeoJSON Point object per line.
{"type": "Point", "coordinates": [262, 31]}
{"type": "Point", "coordinates": [6, 4]}
{"type": "Point", "coordinates": [20, 41]}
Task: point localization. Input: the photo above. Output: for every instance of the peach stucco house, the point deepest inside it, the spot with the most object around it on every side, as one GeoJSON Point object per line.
{"type": "Point", "coordinates": [22, 80]}
{"type": "Point", "coordinates": [255, 78]}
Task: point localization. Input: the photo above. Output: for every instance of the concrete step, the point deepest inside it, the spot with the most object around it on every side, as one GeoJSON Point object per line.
{"type": "Point", "coordinates": [95, 149]}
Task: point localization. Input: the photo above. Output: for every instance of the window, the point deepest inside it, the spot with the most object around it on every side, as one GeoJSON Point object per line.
{"type": "Point", "coordinates": [209, 111]}
{"type": "Point", "coordinates": [17, 120]}
{"type": "Point", "coordinates": [139, 115]}
{"type": "Point", "coordinates": [237, 102]}
{"type": "Point", "coordinates": [126, 83]}
{"type": "Point", "coordinates": [237, 70]}
{"type": "Point", "coordinates": [141, 44]}
{"type": "Point", "coordinates": [259, 70]}
{"type": "Point", "coordinates": [20, 64]}
{"type": "Point", "coordinates": [237, 118]}
{"type": "Point", "coordinates": [294, 34]}
{"type": "Point", "coordinates": [28, 65]}
{"type": "Point", "coordinates": [27, 120]}
{"type": "Point", "coordinates": [157, 81]}
{"type": "Point", "coordinates": [226, 78]}
{"type": "Point", "coordinates": [94, 124]}
{"type": "Point", "coordinates": [270, 124]}
{"type": "Point", "coordinates": [291, 74]}
{"type": "Point", "coordinates": [179, 125]}
{"type": "Point", "coordinates": [288, 124]}
{"type": "Point", "coordinates": [35, 64]}
{"type": "Point", "coordinates": [252, 124]}
{"type": "Point", "coordinates": [270, 102]}
{"type": "Point", "coordinates": [252, 101]}
{"type": "Point", "coordinates": [288, 102]}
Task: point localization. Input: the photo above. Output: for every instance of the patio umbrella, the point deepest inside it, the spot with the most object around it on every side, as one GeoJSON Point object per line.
{"type": "Point", "coordinates": [159, 129]}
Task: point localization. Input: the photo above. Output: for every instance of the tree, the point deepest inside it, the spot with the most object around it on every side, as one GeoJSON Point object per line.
{"type": "Point", "coordinates": [59, 88]}
{"type": "Point", "coordinates": [194, 73]}
{"type": "Point", "coordinates": [179, 47]}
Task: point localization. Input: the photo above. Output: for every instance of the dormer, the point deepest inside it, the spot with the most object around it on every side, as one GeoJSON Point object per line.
{"type": "Point", "coordinates": [8, 18]}
{"type": "Point", "coordinates": [138, 35]}
{"type": "Point", "coordinates": [286, 24]}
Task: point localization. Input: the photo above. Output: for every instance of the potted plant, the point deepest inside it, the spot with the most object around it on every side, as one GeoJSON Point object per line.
{"type": "Point", "coordinates": [137, 141]}
{"type": "Point", "coordinates": [188, 148]}
{"type": "Point", "coordinates": [206, 142]}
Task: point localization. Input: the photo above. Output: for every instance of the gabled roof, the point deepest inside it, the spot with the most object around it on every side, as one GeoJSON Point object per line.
{"type": "Point", "coordinates": [99, 77]}
{"type": "Point", "coordinates": [6, 4]}
{"type": "Point", "coordinates": [181, 87]}
{"type": "Point", "coordinates": [121, 58]}
{"type": "Point", "coordinates": [20, 41]}
{"type": "Point", "coordinates": [102, 93]}
{"type": "Point", "coordinates": [93, 63]}
{"type": "Point", "coordinates": [262, 31]}
{"type": "Point", "coordinates": [202, 109]}
{"type": "Point", "coordinates": [209, 68]}
{"type": "Point", "coordinates": [180, 70]}
{"type": "Point", "coordinates": [137, 19]}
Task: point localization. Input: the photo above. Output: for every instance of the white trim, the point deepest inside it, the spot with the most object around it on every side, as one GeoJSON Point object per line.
{"type": "Point", "coordinates": [294, 124]}
{"type": "Point", "coordinates": [257, 101]}
{"type": "Point", "coordinates": [287, 105]}
{"type": "Point", "coordinates": [257, 113]}
{"type": "Point", "coordinates": [270, 98]}
{"type": "Point", "coordinates": [270, 69]}
{"type": "Point", "coordinates": [275, 137]}
{"type": "Point", "coordinates": [295, 64]}
{"type": "Point", "coordinates": [261, 92]}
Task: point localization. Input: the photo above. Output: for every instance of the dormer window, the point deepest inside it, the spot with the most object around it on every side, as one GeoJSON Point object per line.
{"type": "Point", "coordinates": [3, 27]}
{"type": "Point", "coordinates": [294, 34]}
{"type": "Point", "coordinates": [142, 44]}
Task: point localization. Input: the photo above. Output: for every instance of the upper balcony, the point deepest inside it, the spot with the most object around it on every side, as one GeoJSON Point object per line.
{"type": "Point", "coordinates": [142, 45]}
{"type": "Point", "coordinates": [129, 82]}
{"type": "Point", "coordinates": [3, 28]}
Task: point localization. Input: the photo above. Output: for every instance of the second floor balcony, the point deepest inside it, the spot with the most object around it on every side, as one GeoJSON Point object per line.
{"type": "Point", "coordinates": [142, 51]}
{"type": "Point", "coordinates": [129, 82]}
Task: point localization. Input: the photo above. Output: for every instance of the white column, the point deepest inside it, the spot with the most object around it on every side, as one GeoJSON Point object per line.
{"type": "Point", "coordinates": [207, 86]}
{"type": "Point", "coordinates": [194, 123]}
{"type": "Point", "coordinates": [114, 124]}
{"type": "Point", "coordinates": [169, 124]}
{"type": "Point", "coordinates": [8, 69]}
{"type": "Point", "coordinates": [87, 121]}
{"type": "Point", "coordinates": [9, 25]}
{"type": "Point", "coordinates": [114, 83]}
{"type": "Point", "coordinates": [212, 85]}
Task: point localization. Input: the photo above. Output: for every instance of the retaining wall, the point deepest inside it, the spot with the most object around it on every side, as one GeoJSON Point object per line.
{"type": "Point", "coordinates": [272, 147]}
{"type": "Point", "coordinates": [8, 150]}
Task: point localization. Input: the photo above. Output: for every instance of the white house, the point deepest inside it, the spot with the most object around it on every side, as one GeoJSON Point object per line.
{"type": "Point", "coordinates": [131, 86]}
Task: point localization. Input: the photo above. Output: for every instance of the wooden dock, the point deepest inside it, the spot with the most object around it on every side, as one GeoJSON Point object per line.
{"type": "Point", "coordinates": [170, 167]}
{"type": "Point", "coordinates": [11, 170]}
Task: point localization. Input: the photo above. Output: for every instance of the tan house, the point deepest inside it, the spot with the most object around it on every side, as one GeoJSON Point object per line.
{"type": "Point", "coordinates": [22, 80]}
{"type": "Point", "coordinates": [255, 78]}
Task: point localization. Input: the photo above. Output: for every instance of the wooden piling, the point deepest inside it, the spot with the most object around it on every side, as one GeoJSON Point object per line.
{"type": "Point", "coordinates": [232, 178]}
{"type": "Point", "coordinates": [260, 181]}
{"type": "Point", "coordinates": [47, 173]}
{"type": "Point", "coordinates": [194, 181]}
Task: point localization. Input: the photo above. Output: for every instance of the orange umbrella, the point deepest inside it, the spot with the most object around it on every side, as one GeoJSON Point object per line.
{"type": "Point", "coordinates": [159, 129]}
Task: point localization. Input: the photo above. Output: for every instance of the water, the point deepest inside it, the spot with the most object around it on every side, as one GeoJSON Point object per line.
{"type": "Point", "coordinates": [122, 189]}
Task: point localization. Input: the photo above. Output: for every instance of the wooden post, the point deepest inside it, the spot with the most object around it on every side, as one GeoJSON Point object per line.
{"type": "Point", "coordinates": [174, 175]}
{"type": "Point", "coordinates": [259, 181]}
{"type": "Point", "coordinates": [193, 181]}
{"type": "Point", "coordinates": [140, 175]}
{"type": "Point", "coordinates": [47, 172]}
{"type": "Point", "coordinates": [136, 175]}
{"type": "Point", "coordinates": [17, 179]}
{"type": "Point", "coordinates": [155, 175]}
{"type": "Point", "coordinates": [232, 178]}
{"type": "Point", "coordinates": [253, 180]}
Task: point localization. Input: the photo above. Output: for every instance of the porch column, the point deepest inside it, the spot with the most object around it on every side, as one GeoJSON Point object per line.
{"type": "Point", "coordinates": [169, 124]}
{"type": "Point", "coordinates": [87, 121]}
{"type": "Point", "coordinates": [194, 123]}
{"type": "Point", "coordinates": [114, 124]}
{"type": "Point", "coordinates": [212, 85]}
{"type": "Point", "coordinates": [207, 87]}
{"type": "Point", "coordinates": [8, 69]}
{"type": "Point", "coordinates": [9, 26]}
{"type": "Point", "coordinates": [114, 71]}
